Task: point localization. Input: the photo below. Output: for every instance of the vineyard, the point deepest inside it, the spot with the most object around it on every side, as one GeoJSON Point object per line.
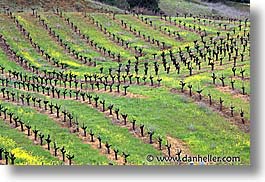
{"type": "Point", "coordinates": [106, 88]}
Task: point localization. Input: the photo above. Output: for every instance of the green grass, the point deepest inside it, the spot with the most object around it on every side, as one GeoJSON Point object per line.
{"type": "Point", "coordinates": [41, 36]}
{"type": "Point", "coordinates": [157, 110]}
{"type": "Point", "coordinates": [117, 136]}
{"type": "Point", "coordinates": [9, 65]}
{"type": "Point", "coordinates": [187, 36]}
{"type": "Point", "coordinates": [140, 26]}
{"type": "Point", "coordinates": [72, 143]}
{"type": "Point", "coordinates": [25, 151]}
{"type": "Point", "coordinates": [183, 6]}
{"type": "Point", "coordinates": [18, 43]}
{"type": "Point", "coordinates": [90, 30]}
{"type": "Point", "coordinates": [205, 131]}
{"type": "Point", "coordinates": [115, 27]}
{"type": "Point", "coordinates": [200, 8]}
{"type": "Point", "coordinates": [73, 41]}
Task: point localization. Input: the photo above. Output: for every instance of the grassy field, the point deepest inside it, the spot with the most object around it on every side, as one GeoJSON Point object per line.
{"type": "Point", "coordinates": [199, 7]}
{"type": "Point", "coordinates": [185, 122]}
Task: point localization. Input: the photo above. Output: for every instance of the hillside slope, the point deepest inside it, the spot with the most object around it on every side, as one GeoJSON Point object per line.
{"type": "Point", "coordinates": [49, 5]}
{"type": "Point", "coordinates": [170, 7]}
{"type": "Point", "coordinates": [197, 7]}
